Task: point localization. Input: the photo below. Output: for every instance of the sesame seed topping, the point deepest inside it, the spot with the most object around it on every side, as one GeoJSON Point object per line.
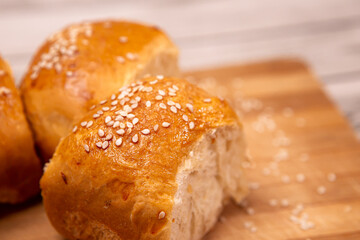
{"type": "Point", "coordinates": [153, 82]}
{"type": "Point", "coordinates": [191, 125]}
{"type": "Point", "coordinates": [160, 77]}
{"type": "Point", "coordinates": [107, 119]}
{"type": "Point", "coordinates": [130, 116]}
{"type": "Point", "coordinates": [321, 190]}
{"type": "Point", "coordinates": [103, 101]}
{"type": "Point", "coordinates": [118, 118]}
{"type": "Point", "coordinates": [87, 149]}
{"type": "Point", "coordinates": [116, 124]}
{"type": "Point", "coordinates": [123, 113]}
{"type": "Point", "coordinates": [158, 97]}
{"type": "Point", "coordinates": [96, 115]}
{"type": "Point", "coordinates": [172, 94]}
{"type": "Point", "coordinates": [83, 124]}
{"type": "Point", "coordinates": [135, 121]}
{"type": "Point", "coordinates": [98, 144]}
{"type": "Point", "coordinates": [138, 99]}
{"type": "Point", "coordinates": [75, 129]}
{"type": "Point", "coordinates": [190, 107]}
{"type": "Point", "coordinates": [207, 100]}
{"type": "Point", "coordinates": [108, 137]}
{"type": "Point", "coordinates": [105, 109]}
{"type": "Point", "coordinates": [111, 123]}
{"type": "Point", "coordinates": [123, 39]}
{"type": "Point", "coordinates": [101, 133]}
{"type": "Point", "coordinates": [122, 125]}
{"type": "Point", "coordinates": [135, 138]}
{"type": "Point", "coordinates": [145, 131]}
{"type": "Point", "coordinates": [131, 56]}
{"type": "Point", "coordinates": [148, 104]}
{"type": "Point", "coordinates": [120, 131]}
{"type": "Point", "coordinates": [118, 142]}
{"type": "Point", "coordinates": [89, 124]}
{"type": "Point", "coordinates": [113, 97]}
{"type": "Point", "coordinates": [162, 93]}
{"type": "Point", "coordinates": [115, 102]}
{"type": "Point", "coordinates": [69, 73]}
{"type": "Point", "coordinates": [135, 105]}
{"type": "Point", "coordinates": [156, 127]}
{"type": "Point", "coordinates": [165, 124]}
{"type": "Point", "coordinates": [170, 103]}
{"type": "Point", "coordinates": [129, 124]}
{"type": "Point", "coordinates": [331, 177]}
{"type": "Point", "coordinates": [162, 215]}
{"type": "Point", "coordinates": [173, 109]}
{"type": "Point", "coordinates": [92, 107]}
{"type": "Point", "coordinates": [300, 177]}
{"type": "Point", "coordinates": [162, 105]}
{"type": "Point", "coordinates": [105, 144]}
{"type": "Point", "coordinates": [177, 105]}
{"type": "Point", "coordinates": [175, 87]}
{"type": "Point", "coordinates": [185, 117]}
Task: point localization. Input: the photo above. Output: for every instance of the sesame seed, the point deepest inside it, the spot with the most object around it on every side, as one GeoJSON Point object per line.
{"type": "Point", "coordinates": [165, 124]}
{"type": "Point", "coordinates": [115, 102]}
{"type": "Point", "coordinates": [92, 107]}
{"type": "Point", "coordinates": [284, 202]}
{"type": "Point", "coordinates": [273, 202]}
{"type": "Point", "coordinates": [135, 138]}
{"type": "Point", "coordinates": [83, 124]}
{"type": "Point", "coordinates": [130, 116]}
{"type": "Point", "coordinates": [107, 119]}
{"type": "Point", "coordinates": [156, 127]}
{"type": "Point", "coordinates": [191, 125]}
{"type": "Point", "coordinates": [100, 112]}
{"type": "Point", "coordinates": [89, 124]}
{"type": "Point", "coordinates": [129, 124]}
{"type": "Point", "coordinates": [170, 103]}
{"type": "Point", "coordinates": [185, 117]}
{"type": "Point", "coordinates": [111, 123]}
{"type": "Point", "coordinates": [116, 124]}
{"type": "Point", "coordinates": [118, 118]}
{"type": "Point", "coordinates": [120, 131]}
{"type": "Point", "coordinates": [171, 90]}
{"type": "Point", "coordinates": [153, 82]}
{"type": "Point", "coordinates": [148, 104]}
{"type": "Point", "coordinates": [145, 131]}
{"type": "Point", "coordinates": [177, 105]}
{"type": "Point", "coordinates": [113, 97]}
{"type": "Point", "coordinates": [75, 129]}
{"type": "Point", "coordinates": [173, 109]}
{"type": "Point", "coordinates": [160, 77]}
{"type": "Point", "coordinates": [207, 100]}
{"type": "Point", "coordinates": [331, 177]}
{"type": "Point", "coordinates": [123, 39]}
{"type": "Point", "coordinates": [131, 56]}
{"type": "Point", "coordinates": [175, 87]}
{"type": "Point", "coordinates": [158, 97]}
{"type": "Point", "coordinates": [138, 99]}
{"type": "Point", "coordinates": [122, 125]}
{"type": "Point", "coordinates": [162, 105]}
{"type": "Point", "coordinates": [87, 149]}
{"type": "Point", "coordinates": [135, 105]}
{"type": "Point", "coordinates": [161, 215]}
{"type": "Point", "coordinates": [96, 115]}
{"type": "Point", "coordinates": [98, 144]}
{"type": "Point", "coordinates": [105, 109]}
{"type": "Point", "coordinates": [123, 113]}
{"type": "Point", "coordinates": [105, 144]}
{"type": "Point", "coordinates": [162, 93]}
{"type": "Point", "coordinates": [103, 101]}
{"type": "Point", "coordinates": [101, 133]}
{"type": "Point", "coordinates": [113, 108]}
{"type": "Point", "coordinates": [321, 190]}
{"type": "Point", "coordinates": [300, 177]}
{"type": "Point", "coordinates": [118, 142]}
{"type": "Point", "coordinates": [190, 107]}
{"type": "Point", "coordinates": [135, 121]}
{"type": "Point", "coordinates": [69, 73]}
{"type": "Point", "coordinates": [285, 179]}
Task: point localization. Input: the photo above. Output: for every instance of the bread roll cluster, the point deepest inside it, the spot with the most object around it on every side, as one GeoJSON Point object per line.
{"type": "Point", "coordinates": [136, 152]}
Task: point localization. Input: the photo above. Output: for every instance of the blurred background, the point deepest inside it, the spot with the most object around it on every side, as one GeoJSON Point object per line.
{"type": "Point", "coordinates": [325, 33]}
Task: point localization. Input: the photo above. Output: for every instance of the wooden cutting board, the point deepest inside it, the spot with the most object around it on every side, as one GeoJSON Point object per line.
{"type": "Point", "coordinates": [305, 170]}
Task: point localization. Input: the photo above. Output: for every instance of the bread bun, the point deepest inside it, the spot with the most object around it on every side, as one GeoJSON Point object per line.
{"type": "Point", "coordinates": [156, 160]}
{"type": "Point", "coordinates": [20, 169]}
{"type": "Point", "coordinates": [84, 63]}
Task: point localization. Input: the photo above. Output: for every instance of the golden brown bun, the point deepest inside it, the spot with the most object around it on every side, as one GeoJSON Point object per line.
{"type": "Point", "coordinates": [84, 63]}
{"type": "Point", "coordinates": [94, 189]}
{"type": "Point", "coordinates": [20, 169]}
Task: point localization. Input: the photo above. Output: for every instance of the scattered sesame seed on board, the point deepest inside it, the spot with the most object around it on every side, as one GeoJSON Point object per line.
{"type": "Point", "coordinates": [123, 39]}
{"type": "Point", "coordinates": [321, 190]}
{"type": "Point", "coordinates": [161, 215]}
{"type": "Point", "coordinates": [83, 124]}
{"type": "Point", "coordinates": [75, 129]}
{"type": "Point", "coordinates": [300, 177]}
{"type": "Point", "coordinates": [331, 177]}
{"type": "Point", "coordinates": [89, 124]}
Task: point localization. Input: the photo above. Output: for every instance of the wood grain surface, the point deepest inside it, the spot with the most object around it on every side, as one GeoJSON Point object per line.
{"type": "Point", "coordinates": [305, 170]}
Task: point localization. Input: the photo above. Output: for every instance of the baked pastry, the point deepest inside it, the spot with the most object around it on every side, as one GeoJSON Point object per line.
{"type": "Point", "coordinates": [20, 169]}
{"type": "Point", "coordinates": [156, 160]}
{"type": "Point", "coordinates": [84, 63]}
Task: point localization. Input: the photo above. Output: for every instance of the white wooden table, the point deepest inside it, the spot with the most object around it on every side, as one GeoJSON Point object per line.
{"type": "Point", "coordinates": [326, 33]}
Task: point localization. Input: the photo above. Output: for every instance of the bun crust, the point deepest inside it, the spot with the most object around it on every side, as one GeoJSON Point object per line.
{"type": "Point", "coordinates": [20, 169]}
{"type": "Point", "coordinates": [84, 63]}
{"type": "Point", "coordinates": [99, 187]}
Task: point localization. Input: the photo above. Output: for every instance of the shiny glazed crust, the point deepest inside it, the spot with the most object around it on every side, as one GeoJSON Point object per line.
{"type": "Point", "coordinates": [20, 169]}
{"type": "Point", "coordinates": [99, 187]}
{"type": "Point", "coordinates": [84, 63]}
